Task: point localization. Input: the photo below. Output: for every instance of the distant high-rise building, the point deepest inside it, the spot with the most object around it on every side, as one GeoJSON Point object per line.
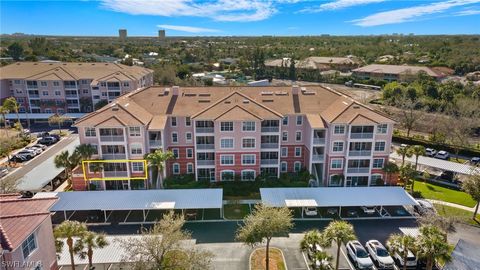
{"type": "Point", "coordinates": [161, 34]}
{"type": "Point", "coordinates": [122, 34]}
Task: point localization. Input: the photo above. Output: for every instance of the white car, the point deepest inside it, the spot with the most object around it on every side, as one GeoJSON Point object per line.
{"type": "Point", "coordinates": [379, 254]}
{"type": "Point", "coordinates": [442, 155]}
{"type": "Point", "coordinates": [411, 259]}
{"type": "Point", "coordinates": [27, 153]}
{"type": "Point", "coordinates": [430, 152]}
{"type": "Point", "coordinates": [368, 210]}
{"type": "Point", "coordinates": [37, 150]}
{"type": "Point", "coordinates": [310, 211]}
{"type": "Point", "coordinates": [41, 146]}
{"type": "Point", "coordinates": [424, 207]}
{"type": "Point", "coordinates": [359, 255]}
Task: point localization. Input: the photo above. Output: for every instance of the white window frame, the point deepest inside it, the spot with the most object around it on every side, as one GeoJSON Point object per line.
{"type": "Point", "coordinates": [174, 165]}
{"type": "Point", "coordinates": [137, 164]}
{"type": "Point", "coordinates": [244, 126]}
{"type": "Point", "coordinates": [330, 181]}
{"type": "Point", "coordinates": [222, 127]}
{"type": "Point", "coordinates": [188, 121]}
{"type": "Point", "coordinates": [227, 138]}
{"type": "Point", "coordinates": [43, 83]}
{"type": "Point", "coordinates": [26, 244]}
{"type": "Point", "coordinates": [225, 156]}
{"type": "Point", "coordinates": [372, 179]}
{"type": "Point", "coordinates": [285, 121]}
{"type": "Point", "coordinates": [296, 136]}
{"type": "Point", "coordinates": [227, 171]}
{"type": "Point", "coordinates": [281, 166]}
{"type": "Point", "coordinates": [286, 152]}
{"type": "Point", "coordinates": [299, 117]}
{"type": "Point", "coordinates": [295, 169]}
{"type": "Point", "coordinates": [186, 153]}
{"type": "Point", "coordinates": [135, 132]}
{"type": "Point", "coordinates": [190, 169]}
{"type": "Point", "coordinates": [249, 138]}
{"type": "Point", "coordinates": [45, 93]}
{"type": "Point", "coordinates": [58, 93]}
{"type": "Point", "coordinates": [300, 152]}
{"type": "Point", "coordinates": [376, 167]}
{"type": "Point", "coordinates": [176, 150]}
{"type": "Point", "coordinates": [176, 135]}
{"type": "Point", "coordinates": [173, 121]}
{"type": "Point", "coordinates": [338, 126]}
{"type": "Point", "coordinates": [186, 136]}
{"type": "Point", "coordinates": [384, 146]}
{"type": "Point", "coordinates": [89, 131]}
{"type": "Point", "coordinates": [336, 159]}
{"type": "Point", "coordinates": [249, 164]}
{"type": "Point", "coordinates": [284, 133]}
{"type": "Point", "coordinates": [136, 146]}
{"type": "Point", "coordinates": [248, 171]}
{"type": "Point", "coordinates": [382, 128]}
{"type": "Point", "coordinates": [333, 146]}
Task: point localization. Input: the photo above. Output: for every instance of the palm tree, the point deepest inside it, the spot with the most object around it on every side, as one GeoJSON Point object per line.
{"type": "Point", "coordinates": [401, 244]}
{"type": "Point", "coordinates": [445, 223]}
{"type": "Point", "coordinates": [324, 259]}
{"type": "Point", "coordinates": [417, 150]}
{"type": "Point", "coordinates": [157, 160]}
{"type": "Point", "coordinates": [12, 105]}
{"type": "Point", "coordinates": [95, 167]}
{"type": "Point", "coordinates": [70, 230]}
{"type": "Point", "coordinates": [339, 232]}
{"type": "Point", "coordinates": [404, 151]}
{"type": "Point", "coordinates": [310, 239]}
{"type": "Point", "coordinates": [91, 241]}
{"type": "Point", "coordinates": [85, 151]}
{"type": "Point", "coordinates": [407, 173]}
{"type": "Point", "coordinates": [389, 169]}
{"type": "Point", "coordinates": [432, 246]}
{"type": "Point", "coordinates": [3, 112]}
{"type": "Point", "coordinates": [68, 162]}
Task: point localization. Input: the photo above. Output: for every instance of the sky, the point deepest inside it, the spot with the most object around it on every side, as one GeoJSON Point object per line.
{"type": "Point", "coordinates": [239, 17]}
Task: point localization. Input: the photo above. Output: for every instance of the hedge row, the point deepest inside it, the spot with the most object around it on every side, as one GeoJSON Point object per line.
{"type": "Point", "coordinates": [438, 146]}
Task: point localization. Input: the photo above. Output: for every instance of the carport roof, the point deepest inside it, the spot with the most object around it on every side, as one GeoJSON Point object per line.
{"type": "Point", "coordinates": [336, 196]}
{"type": "Point", "coordinates": [136, 199]}
{"type": "Point", "coordinates": [440, 164]}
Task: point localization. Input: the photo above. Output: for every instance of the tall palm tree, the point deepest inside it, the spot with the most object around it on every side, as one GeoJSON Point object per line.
{"type": "Point", "coordinates": [90, 241]}
{"type": "Point", "coordinates": [3, 112]}
{"type": "Point", "coordinates": [432, 246]}
{"type": "Point", "coordinates": [70, 230]}
{"type": "Point", "coordinates": [404, 151]}
{"type": "Point", "coordinates": [157, 160]}
{"type": "Point", "coordinates": [339, 232]}
{"type": "Point", "coordinates": [324, 259]}
{"type": "Point", "coordinates": [389, 169]}
{"type": "Point", "coordinates": [12, 105]}
{"type": "Point", "coordinates": [401, 244]}
{"type": "Point", "coordinates": [85, 151]}
{"type": "Point", "coordinates": [407, 173]}
{"type": "Point", "coordinates": [310, 239]}
{"type": "Point", "coordinates": [417, 150]}
{"type": "Point", "coordinates": [68, 162]}
{"type": "Point", "coordinates": [95, 167]}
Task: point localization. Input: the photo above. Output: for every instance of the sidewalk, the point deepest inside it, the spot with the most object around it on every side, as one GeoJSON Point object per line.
{"type": "Point", "coordinates": [466, 208]}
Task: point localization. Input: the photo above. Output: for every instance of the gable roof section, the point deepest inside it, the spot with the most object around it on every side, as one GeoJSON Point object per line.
{"type": "Point", "coordinates": [158, 122]}
{"type": "Point", "coordinates": [237, 113]}
{"type": "Point", "coordinates": [315, 120]}
{"type": "Point", "coordinates": [114, 110]}
{"type": "Point", "coordinates": [111, 122]}
{"type": "Point", "coordinates": [360, 119]}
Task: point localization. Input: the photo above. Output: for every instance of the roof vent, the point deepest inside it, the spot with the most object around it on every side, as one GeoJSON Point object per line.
{"type": "Point", "coordinates": [356, 106]}
{"type": "Point", "coordinates": [309, 93]}
{"type": "Point", "coordinates": [246, 101]}
{"type": "Point", "coordinates": [267, 100]}
{"type": "Point", "coordinates": [227, 102]}
{"type": "Point", "coordinates": [266, 93]}
{"type": "Point", "coordinates": [281, 93]}
{"type": "Point", "coordinates": [204, 101]}
{"type": "Point", "coordinates": [190, 94]}
{"type": "Point", "coordinates": [204, 94]}
{"type": "Point", "coordinates": [115, 107]}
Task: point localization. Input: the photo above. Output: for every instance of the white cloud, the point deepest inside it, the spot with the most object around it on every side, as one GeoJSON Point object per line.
{"type": "Point", "coordinates": [340, 4]}
{"type": "Point", "coordinates": [220, 10]}
{"type": "Point", "coordinates": [410, 13]}
{"type": "Point", "coordinates": [189, 29]}
{"type": "Point", "coordinates": [468, 12]}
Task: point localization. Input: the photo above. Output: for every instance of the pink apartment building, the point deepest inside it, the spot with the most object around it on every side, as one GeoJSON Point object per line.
{"type": "Point", "coordinates": [222, 133]}
{"type": "Point", "coordinates": [69, 87]}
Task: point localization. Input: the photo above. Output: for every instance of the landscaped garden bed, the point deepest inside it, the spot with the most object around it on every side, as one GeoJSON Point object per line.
{"type": "Point", "coordinates": [436, 192]}
{"type": "Point", "coordinates": [236, 211]}
{"type": "Point", "coordinates": [258, 260]}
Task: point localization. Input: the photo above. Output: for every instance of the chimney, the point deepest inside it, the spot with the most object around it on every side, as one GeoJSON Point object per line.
{"type": "Point", "coordinates": [175, 90]}
{"type": "Point", "coordinates": [295, 89]}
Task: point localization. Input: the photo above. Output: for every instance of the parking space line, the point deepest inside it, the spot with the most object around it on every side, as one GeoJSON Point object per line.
{"type": "Point", "coordinates": [348, 260]}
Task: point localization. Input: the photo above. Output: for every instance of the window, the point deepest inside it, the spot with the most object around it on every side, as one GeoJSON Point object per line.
{"type": "Point", "coordinates": [379, 146]}
{"type": "Point", "coordinates": [188, 136]}
{"type": "Point", "coordinates": [298, 136]}
{"type": "Point", "coordinates": [174, 137]}
{"type": "Point", "coordinates": [284, 152]}
{"type": "Point", "coordinates": [248, 159]}
{"type": "Point", "coordinates": [299, 120]}
{"type": "Point", "coordinates": [188, 121]}
{"type": "Point", "coordinates": [90, 132]}
{"type": "Point", "coordinates": [337, 147]}
{"type": "Point", "coordinates": [337, 164]}
{"type": "Point", "coordinates": [189, 152]}
{"type": "Point", "coordinates": [298, 151]}
{"type": "Point", "coordinates": [248, 175]}
{"type": "Point", "coordinates": [95, 147]}
{"type": "Point", "coordinates": [283, 166]}
{"type": "Point", "coordinates": [83, 81]}
{"type": "Point", "coordinates": [136, 149]}
{"type": "Point", "coordinates": [376, 180]}
{"type": "Point", "coordinates": [56, 83]}
{"type": "Point", "coordinates": [103, 84]}
{"type": "Point", "coordinates": [226, 143]}
{"type": "Point", "coordinates": [339, 129]}
{"type": "Point", "coordinates": [248, 126]}
{"type": "Point", "coordinates": [29, 245]}
{"type": "Point", "coordinates": [43, 83]}
{"type": "Point", "coordinates": [104, 94]}
{"type": "Point", "coordinates": [378, 163]}
{"type": "Point", "coordinates": [189, 168]}
{"type": "Point", "coordinates": [335, 180]}
{"type": "Point", "coordinates": [48, 110]}
{"type": "Point", "coordinates": [134, 131]}
{"type": "Point", "coordinates": [16, 81]}
{"type": "Point", "coordinates": [126, 84]}
{"type": "Point", "coordinates": [176, 168]}
{"type": "Point", "coordinates": [85, 91]}
{"type": "Point", "coordinates": [173, 121]}
{"type": "Point", "coordinates": [226, 126]}
{"type": "Point", "coordinates": [285, 121]}
{"type": "Point", "coordinates": [297, 166]}
{"type": "Point", "coordinates": [227, 175]}
{"type": "Point", "coordinates": [137, 166]}
{"type": "Point", "coordinates": [284, 136]}
{"type": "Point", "coordinates": [227, 160]}
{"type": "Point", "coordinates": [382, 128]}
{"type": "Point", "coordinates": [45, 93]}
{"type": "Point", "coordinates": [248, 143]}
{"type": "Point", "coordinates": [175, 152]}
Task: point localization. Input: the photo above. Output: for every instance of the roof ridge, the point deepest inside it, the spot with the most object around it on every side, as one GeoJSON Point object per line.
{"type": "Point", "coordinates": [26, 199]}
{"type": "Point", "coordinates": [26, 215]}
{"type": "Point", "coordinates": [233, 107]}
{"type": "Point", "coordinates": [113, 116]}
{"type": "Point", "coordinates": [359, 114]}
{"type": "Point", "coordinates": [4, 239]}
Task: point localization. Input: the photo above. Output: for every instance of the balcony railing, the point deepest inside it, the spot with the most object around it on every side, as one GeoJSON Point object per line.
{"type": "Point", "coordinates": [269, 145]}
{"type": "Point", "coordinates": [34, 95]}
{"type": "Point", "coordinates": [358, 170]}
{"type": "Point", "coordinates": [361, 153]}
{"type": "Point", "coordinates": [115, 173]}
{"type": "Point", "coordinates": [317, 158]}
{"type": "Point", "coordinates": [114, 156]}
{"type": "Point", "coordinates": [155, 143]}
{"type": "Point", "coordinates": [204, 130]}
{"type": "Point", "coordinates": [205, 146]}
{"type": "Point", "coordinates": [361, 135]}
{"type": "Point", "coordinates": [205, 162]}
{"type": "Point", "coordinates": [269, 161]}
{"type": "Point", "coordinates": [32, 86]}
{"type": "Point", "coordinates": [270, 129]}
{"type": "Point", "coordinates": [317, 141]}
{"type": "Point", "coordinates": [71, 95]}
{"type": "Point", "coordinates": [112, 138]}
{"type": "Point", "coordinates": [115, 88]}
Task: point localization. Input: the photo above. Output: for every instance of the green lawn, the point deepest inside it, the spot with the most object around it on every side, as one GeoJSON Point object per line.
{"type": "Point", "coordinates": [236, 211]}
{"type": "Point", "coordinates": [430, 191]}
{"type": "Point", "coordinates": [462, 215]}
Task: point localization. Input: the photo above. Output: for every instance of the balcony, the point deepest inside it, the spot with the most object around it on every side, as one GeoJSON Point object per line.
{"type": "Point", "coordinates": [318, 141]}
{"type": "Point", "coordinates": [112, 138]}
{"type": "Point", "coordinates": [317, 158]}
{"type": "Point", "coordinates": [33, 95]}
{"type": "Point", "coordinates": [358, 170]}
{"type": "Point", "coordinates": [269, 161]}
{"type": "Point", "coordinates": [71, 95]}
{"type": "Point", "coordinates": [205, 146]}
{"type": "Point", "coordinates": [155, 143]}
{"type": "Point", "coordinates": [204, 129]}
{"type": "Point", "coordinates": [270, 129]}
{"type": "Point", "coordinates": [361, 135]}
{"type": "Point", "coordinates": [361, 153]}
{"type": "Point", "coordinates": [114, 156]}
{"type": "Point", "coordinates": [206, 162]}
{"type": "Point", "coordinates": [115, 173]}
{"type": "Point", "coordinates": [269, 145]}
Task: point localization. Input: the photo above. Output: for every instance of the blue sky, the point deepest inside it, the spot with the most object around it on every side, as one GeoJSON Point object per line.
{"type": "Point", "coordinates": [240, 17]}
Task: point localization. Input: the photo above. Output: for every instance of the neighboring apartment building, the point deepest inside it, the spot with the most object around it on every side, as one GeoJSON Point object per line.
{"type": "Point", "coordinates": [26, 234]}
{"type": "Point", "coordinates": [218, 133]}
{"type": "Point", "coordinates": [69, 87]}
{"type": "Point", "coordinates": [401, 73]}
{"type": "Point", "coordinates": [317, 63]}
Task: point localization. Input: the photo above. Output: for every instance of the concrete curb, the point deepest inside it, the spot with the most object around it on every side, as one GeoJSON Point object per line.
{"type": "Point", "coordinates": [281, 252]}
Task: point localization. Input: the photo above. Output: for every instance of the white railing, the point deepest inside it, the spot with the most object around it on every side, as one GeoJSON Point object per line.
{"type": "Point", "coordinates": [361, 135]}
{"type": "Point", "coordinates": [114, 156]}
{"type": "Point", "coordinates": [360, 153]}
{"type": "Point", "coordinates": [317, 157]}
{"type": "Point", "coordinates": [204, 129]}
{"type": "Point", "coordinates": [205, 146]}
{"type": "Point", "coordinates": [112, 138]}
{"type": "Point", "coordinates": [358, 170]}
{"type": "Point", "coordinates": [270, 129]}
{"type": "Point", "coordinates": [269, 145]}
{"type": "Point", "coordinates": [318, 140]}
{"type": "Point", "coordinates": [205, 162]}
{"type": "Point", "coordinates": [115, 173]}
{"type": "Point", "coordinates": [155, 143]}
{"type": "Point", "coordinates": [268, 161]}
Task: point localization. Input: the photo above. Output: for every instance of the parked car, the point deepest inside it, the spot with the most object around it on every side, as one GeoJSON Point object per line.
{"type": "Point", "coordinates": [475, 161]}
{"type": "Point", "coordinates": [359, 255]}
{"type": "Point", "coordinates": [352, 213]}
{"type": "Point", "coordinates": [379, 254]}
{"type": "Point", "coordinates": [424, 207]}
{"type": "Point", "coordinates": [41, 146]}
{"type": "Point", "coordinates": [19, 159]}
{"type": "Point", "coordinates": [368, 210]}
{"type": "Point", "coordinates": [411, 259]}
{"type": "Point", "coordinates": [56, 136]}
{"type": "Point", "coordinates": [37, 150]}
{"type": "Point", "coordinates": [47, 140]}
{"type": "Point", "coordinates": [430, 152]}
{"type": "Point", "coordinates": [447, 175]}
{"type": "Point", "coordinates": [26, 153]}
{"type": "Point", "coordinates": [442, 155]}
{"type": "Point", "coordinates": [310, 211]}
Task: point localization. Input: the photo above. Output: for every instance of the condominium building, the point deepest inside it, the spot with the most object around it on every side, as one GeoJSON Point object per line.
{"type": "Point", "coordinates": [316, 63]}
{"type": "Point", "coordinates": [69, 87]}
{"type": "Point", "coordinates": [402, 73]}
{"type": "Point", "coordinates": [226, 133]}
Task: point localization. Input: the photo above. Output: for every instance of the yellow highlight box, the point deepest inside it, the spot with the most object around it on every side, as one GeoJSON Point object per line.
{"type": "Point", "coordinates": [86, 162]}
